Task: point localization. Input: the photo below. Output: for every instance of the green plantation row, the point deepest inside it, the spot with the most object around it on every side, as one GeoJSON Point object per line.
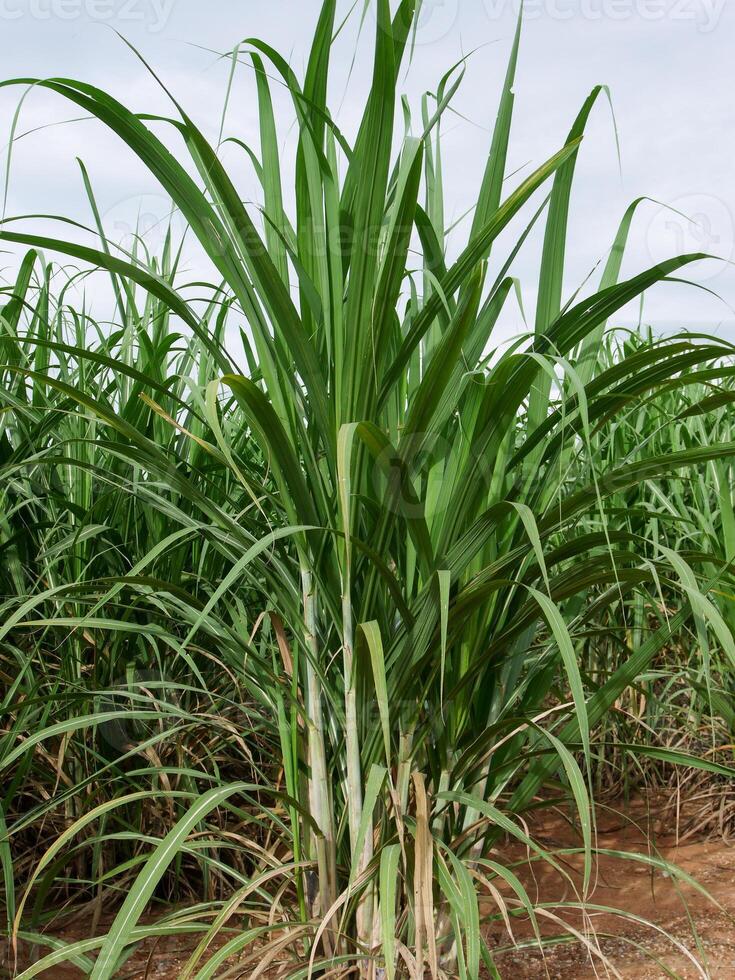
{"type": "Point", "coordinates": [287, 652]}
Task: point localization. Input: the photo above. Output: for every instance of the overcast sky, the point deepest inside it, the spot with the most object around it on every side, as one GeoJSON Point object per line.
{"type": "Point", "coordinates": [668, 64]}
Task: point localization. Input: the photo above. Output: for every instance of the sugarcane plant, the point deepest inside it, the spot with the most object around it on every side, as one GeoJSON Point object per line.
{"type": "Point", "coordinates": [389, 537]}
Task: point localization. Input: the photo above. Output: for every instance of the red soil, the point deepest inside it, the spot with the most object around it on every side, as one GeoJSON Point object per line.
{"type": "Point", "coordinates": [700, 927]}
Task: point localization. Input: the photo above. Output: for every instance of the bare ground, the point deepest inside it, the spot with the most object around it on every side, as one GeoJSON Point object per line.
{"type": "Point", "coordinates": [703, 930]}
{"type": "Point", "coordinates": [689, 936]}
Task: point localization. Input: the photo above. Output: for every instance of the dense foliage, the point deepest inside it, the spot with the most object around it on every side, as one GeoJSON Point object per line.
{"type": "Point", "coordinates": [294, 645]}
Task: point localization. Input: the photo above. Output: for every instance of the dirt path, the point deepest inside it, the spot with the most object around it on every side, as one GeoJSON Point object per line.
{"type": "Point", "coordinates": [706, 933]}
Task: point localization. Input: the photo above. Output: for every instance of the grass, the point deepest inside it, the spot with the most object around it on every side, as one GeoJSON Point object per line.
{"type": "Point", "coordinates": [294, 646]}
